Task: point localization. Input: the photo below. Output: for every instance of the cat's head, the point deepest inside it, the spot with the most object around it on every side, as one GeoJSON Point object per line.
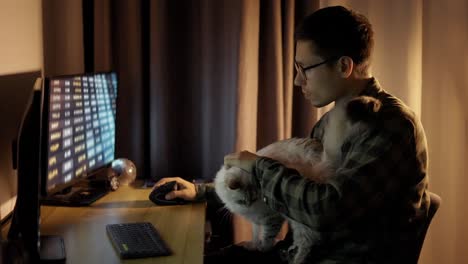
{"type": "Point", "coordinates": [235, 186]}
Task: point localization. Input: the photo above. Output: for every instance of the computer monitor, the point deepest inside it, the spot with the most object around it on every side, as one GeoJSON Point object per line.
{"type": "Point", "coordinates": [15, 89]}
{"type": "Point", "coordinates": [26, 159]}
{"type": "Point", "coordinates": [25, 222]}
{"type": "Point", "coordinates": [78, 130]}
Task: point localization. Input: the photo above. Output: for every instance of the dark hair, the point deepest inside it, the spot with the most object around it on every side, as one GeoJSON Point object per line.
{"type": "Point", "coordinates": [338, 31]}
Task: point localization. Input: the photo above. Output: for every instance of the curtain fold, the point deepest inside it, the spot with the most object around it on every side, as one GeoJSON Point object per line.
{"type": "Point", "coordinates": [62, 27]}
{"type": "Point", "coordinates": [272, 89]}
{"type": "Point", "coordinates": [103, 59]}
{"type": "Point", "coordinates": [247, 83]}
{"type": "Point", "coordinates": [444, 116]}
{"type": "Point", "coordinates": [193, 54]}
{"type": "Point", "coordinates": [126, 44]}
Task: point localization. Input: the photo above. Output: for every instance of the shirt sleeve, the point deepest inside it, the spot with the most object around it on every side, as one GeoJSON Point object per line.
{"type": "Point", "coordinates": [367, 176]}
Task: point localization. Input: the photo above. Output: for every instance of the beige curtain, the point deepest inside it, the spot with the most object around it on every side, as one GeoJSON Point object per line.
{"type": "Point", "coordinates": [421, 55]}
{"type": "Point", "coordinates": [444, 95]}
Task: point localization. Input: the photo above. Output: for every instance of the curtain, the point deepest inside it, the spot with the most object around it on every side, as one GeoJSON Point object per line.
{"type": "Point", "coordinates": [197, 79]}
{"type": "Point", "coordinates": [200, 79]}
{"type": "Point", "coordinates": [445, 86]}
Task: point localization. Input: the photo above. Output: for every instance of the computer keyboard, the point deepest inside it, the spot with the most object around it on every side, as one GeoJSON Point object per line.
{"type": "Point", "coordinates": [137, 240]}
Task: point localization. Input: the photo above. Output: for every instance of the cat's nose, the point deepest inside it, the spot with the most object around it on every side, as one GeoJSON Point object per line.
{"type": "Point", "coordinates": [234, 184]}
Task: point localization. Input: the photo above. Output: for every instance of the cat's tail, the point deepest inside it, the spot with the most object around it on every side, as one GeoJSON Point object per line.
{"type": "Point", "coordinates": [363, 108]}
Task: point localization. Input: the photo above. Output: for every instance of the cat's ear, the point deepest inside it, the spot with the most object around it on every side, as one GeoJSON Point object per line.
{"type": "Point", "coordinates": [234, 183]}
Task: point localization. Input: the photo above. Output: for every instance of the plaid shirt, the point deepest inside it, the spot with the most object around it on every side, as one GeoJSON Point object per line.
{"type": "Point", "coordinates": [377, 198]}
{"type": "Point", "coordinates": [372, 208]}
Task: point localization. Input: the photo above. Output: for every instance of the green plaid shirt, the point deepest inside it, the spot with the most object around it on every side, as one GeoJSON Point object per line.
{"type": "Point", "coordinates": [372, 208]}
{"type": "Point", "coordinates": [375, 202]}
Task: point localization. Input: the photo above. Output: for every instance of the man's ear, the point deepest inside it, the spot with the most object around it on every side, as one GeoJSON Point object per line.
{"type": "Point", "coordinates": [345, 66]}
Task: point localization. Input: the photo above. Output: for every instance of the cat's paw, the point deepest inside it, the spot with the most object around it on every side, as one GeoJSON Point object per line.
{"type": "Point", "coordinates": [250, 245]}
{"type": "Point", "coordinates": [266, 245]}
{"type": "Point", "coordinates": [262, 246]}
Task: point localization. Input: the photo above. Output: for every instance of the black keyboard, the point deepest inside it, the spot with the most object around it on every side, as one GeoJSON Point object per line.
{"type": "Point", "coordinates": [137, 240]}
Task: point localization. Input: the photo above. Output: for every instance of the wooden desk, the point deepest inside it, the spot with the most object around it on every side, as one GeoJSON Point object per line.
{"type": "Point", "coordinates": [84, 228]}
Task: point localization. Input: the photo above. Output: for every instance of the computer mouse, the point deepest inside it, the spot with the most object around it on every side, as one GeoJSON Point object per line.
{"type": "Point", "coordinates": [158, 194]}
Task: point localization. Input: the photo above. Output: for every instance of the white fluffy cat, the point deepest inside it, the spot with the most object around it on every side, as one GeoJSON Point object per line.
{"type": "Point", "coordinates": [313, 159]}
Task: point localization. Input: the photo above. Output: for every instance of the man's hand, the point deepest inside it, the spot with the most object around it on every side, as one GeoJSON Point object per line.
{"type": "Point", "coordinates": [244, 160]}
{"type": "Point", "coordinates": [183, 189]}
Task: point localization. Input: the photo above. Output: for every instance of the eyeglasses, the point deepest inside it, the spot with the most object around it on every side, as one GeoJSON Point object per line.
{"type": "Point", "coordinates": [301, 70]}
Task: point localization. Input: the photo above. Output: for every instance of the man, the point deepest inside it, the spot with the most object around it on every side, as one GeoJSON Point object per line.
{"type": "Point", "coordinates": [372, 208]}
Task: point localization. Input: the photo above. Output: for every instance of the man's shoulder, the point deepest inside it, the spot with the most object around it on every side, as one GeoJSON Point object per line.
{"type": "Point", "coordinates": [392, 107]}
{"type": "Point", "coordinates": [399, 123]}
{"type": "Point", "coordinates": [395, 114]}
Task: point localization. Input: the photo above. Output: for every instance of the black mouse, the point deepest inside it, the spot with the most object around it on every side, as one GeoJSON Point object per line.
{"type": "Point", "coordinates": [157, 196]}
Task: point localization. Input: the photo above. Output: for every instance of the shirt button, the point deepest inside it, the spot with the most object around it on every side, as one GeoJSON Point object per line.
{"type": "Point", "coordinates": [265, 199]}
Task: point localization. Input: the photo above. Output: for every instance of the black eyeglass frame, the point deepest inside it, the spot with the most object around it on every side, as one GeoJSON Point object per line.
{"type": "Point", "coordinates": [302, 70]}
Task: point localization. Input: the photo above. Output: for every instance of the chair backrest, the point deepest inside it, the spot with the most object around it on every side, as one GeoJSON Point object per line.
{"type": "Point", "coordinates": [434, 205]}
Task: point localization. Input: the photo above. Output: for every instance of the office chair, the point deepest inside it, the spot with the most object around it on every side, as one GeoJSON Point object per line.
{"type": "Point", "coordinates": [434, 205]}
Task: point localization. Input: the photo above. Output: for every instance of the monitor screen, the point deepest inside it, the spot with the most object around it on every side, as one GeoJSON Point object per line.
{"type": "Point", "coordinates": [80, 112]}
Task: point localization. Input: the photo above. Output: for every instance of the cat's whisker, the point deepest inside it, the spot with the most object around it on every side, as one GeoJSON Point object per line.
{"type": "Point", "coordinates": [226, 217]}
{"type": "Point", "coordinates": [221, 208]}
{"type": "Point", "coordinates": [222, 211]}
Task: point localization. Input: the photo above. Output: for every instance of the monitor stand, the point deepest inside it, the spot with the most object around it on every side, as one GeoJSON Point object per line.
{"type": "Point", "coordinates": [52, 249]}
{"type": "Point", "coordinates": [75, 196]}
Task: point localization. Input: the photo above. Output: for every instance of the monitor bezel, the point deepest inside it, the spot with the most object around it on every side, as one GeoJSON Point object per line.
{"type": "Point", "coordinates": [45, 132]}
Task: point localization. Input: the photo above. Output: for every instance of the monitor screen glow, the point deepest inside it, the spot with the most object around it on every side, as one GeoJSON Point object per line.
{"type": "Point", "coordinates": [81, 126]}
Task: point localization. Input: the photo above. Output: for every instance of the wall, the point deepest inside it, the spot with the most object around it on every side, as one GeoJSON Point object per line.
{"type": "Point", "coordinates": [20, 51]}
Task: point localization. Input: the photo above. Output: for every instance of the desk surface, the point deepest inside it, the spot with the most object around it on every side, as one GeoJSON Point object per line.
{"type": "Point", "coordinates": [84, 228]}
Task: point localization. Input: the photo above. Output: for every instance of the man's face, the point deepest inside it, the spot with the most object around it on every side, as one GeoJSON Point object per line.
{"type": "Point", "coordinates": [321, 85]}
